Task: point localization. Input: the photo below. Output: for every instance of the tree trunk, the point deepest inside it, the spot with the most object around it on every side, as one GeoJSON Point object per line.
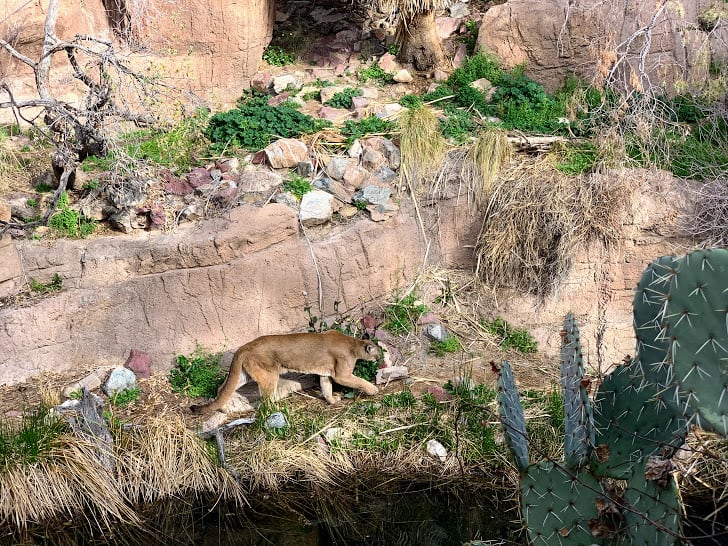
{"type": "Point", "coordinates": [419, 43]}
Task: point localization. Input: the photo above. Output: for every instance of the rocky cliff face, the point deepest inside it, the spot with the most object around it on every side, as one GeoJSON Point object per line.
{"type": "Point", "coordinates": [670, 43]}
{"type": "Point", "coordinates": [208, 48]}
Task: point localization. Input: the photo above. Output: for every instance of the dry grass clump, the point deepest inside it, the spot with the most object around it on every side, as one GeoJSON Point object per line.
{"type": "Point", "coordinates": [483, 161]}
{"type": "Point", "coordinates": [165, 459]}
{"type": "Point", "coordinates": [536, 218]}
{"type": "Point", "coordinates": [421, 144]}
{"type": "Point", "coordinates": [707, 217]}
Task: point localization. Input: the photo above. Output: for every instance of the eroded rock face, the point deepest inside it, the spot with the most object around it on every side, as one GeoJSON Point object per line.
{"type": "Point", "coordinates": [557, 39]}
{"type": "Point", "coordinates": [219, 283]}
{"type": "Point", "coordinates": [210, 48]}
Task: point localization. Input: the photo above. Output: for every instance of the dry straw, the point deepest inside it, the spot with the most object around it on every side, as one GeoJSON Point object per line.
{"type": "Point", "coordinates": [536, 218]}
{"type": "Point", "coordinates": [422, 146]}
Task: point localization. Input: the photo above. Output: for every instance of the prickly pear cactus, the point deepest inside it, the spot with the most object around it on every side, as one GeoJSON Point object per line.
{"type": "Point", "coordinates": [631, 424]}
{"type": "Point", "coordinates": [578, 422]}
{"type": "Point", "coordinates": [652, 357]}
{"type": "Point", "coordinates": [696, 317]}
{"type": "Point", "coordinates": [651, 497]}
{"type": "Point", "coordinates": [511, 413]}
{"type": "Point", "coordinates": [560, 506]}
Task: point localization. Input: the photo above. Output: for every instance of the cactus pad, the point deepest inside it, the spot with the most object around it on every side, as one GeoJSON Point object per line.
{"type": "Point", "coordinates": [697, 333]}
{"type": "Point", "coordinates": [512, 416]}
{"type": "Point", "coordinates": [561, 507]}
{"type": "Point", "coordinates": [578, 421]}
{"type": "Point", "coordinates": [632, 424]}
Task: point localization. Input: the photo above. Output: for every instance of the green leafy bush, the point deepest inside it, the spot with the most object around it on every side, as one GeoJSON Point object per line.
{"type": "Point", "coordinates": [197, 375]}
{"type": "Point", "coordinates": [342, 99]}
{"type": "Point", "coordinates": [450, 344]}
{"type": "Point", "coordinates": [376, 73]}
{"type": "Point", "coordinates": [411, 101]}
{"type": "Point", "coordinates": [254, 124]}
{"type": "Point", "coordinates": [510, 337]}
{"type": "Point", "coordinates": [121, 399]}
{"type": "Point", "coordinates": [276, 56]}
{"type": "Point", "coordinates": [297, 185]}
{"type": "Point", "coordinates": [69, 222]}
{"type": "Point", "coordinates": [366, 369]}
{"type": "Point", "coordinates": [401, 316]}
{"type": "Point", "coordinates": [46, 288]}
{"type": "Point", "coordinates": [575, 160]}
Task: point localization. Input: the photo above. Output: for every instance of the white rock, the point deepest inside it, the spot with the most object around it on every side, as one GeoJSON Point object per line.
{"type": "Point", "coordinates": [384, 375]}
{"type": "Point", "coordinates": [276, 420]}
{"type": "Point", "coordinates": [91, 381]}
{"type": "Point", "coordinates": [237, 404]}
{"type": "Point", "coordinates": [437, 450]}
{"type": "Point", "coordinates": [316, 207]}
{"type": "Point", "coordinates": [403, 76]}
{"type": "Point", "coordinates": [121, 379]}
{"type": "Point", "coordinates": [286, 81]}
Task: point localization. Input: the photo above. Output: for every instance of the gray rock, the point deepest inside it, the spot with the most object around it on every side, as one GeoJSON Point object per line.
{"type": "Point", "coordinates": [374, 195]}
{"type": "Point", "coordinates": [336, 167]}
{"type": "Point", "coordinates": [286, 198]}
{"type": "Point", "coordinates": [385, 375]}
{"type": "Point", "coordinates": [304, 168]}
{"type": "Point", "coordinates": [392, 153]}
{"type": "Point", "coordinates": [120, 379]}
{"type": "Point", "coordinates": [459, 10]}
{"type": "Point", "coordinates": [324, 184]}
{"type": "Point", "coordinates": [275, 421]}
{"type": "Point", "coordinates": [372, 159]}
{"type": "Point", "coordinates": [385, 174]}
{"type": "Point", "coordinates": [435, 331]}
{"type": "Point", "coordinates": [316, 207]}
{"type": "Point", "coordinates": [256, 180]}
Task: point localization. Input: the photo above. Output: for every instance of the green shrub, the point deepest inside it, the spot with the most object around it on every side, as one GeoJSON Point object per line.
{"type": "Point", "coordinates": [401, 316]}
{"type": "Point", "coordinates": [376, 73]}
{"type": "Point", "coordinates": [575, 159]}
{"type": "Point", "coordinates": [366, 369]}
{"type": "Point", "coordinates": [343, 99]}
{"type": "Point", "coordinates": [45, 288]}
{"type": "Point", "coordinates": [366, 126]}
{"type": "Point", "coordinates": [450, 344]}
{"type": "Point", "coordinates": [254, 124]}
{"type": "Point", "coordinates": [121, 399]}
{"type": "Point", "coordinates": [68, 222]}
{"type": "Point", "coordinates": [197, 375]}
{"type": "Point", "coordinates": [510, 337]}
{"type": "Point", "coordinates": [276, 56]}
{"type": "Point", "coordinates": [297, 185]}
{"type": "Point", "coordinates": [411, 101]}
{"type": "Point", "coordinates": [470, 38]}
{"type": "Point", "coordinates": [457, 124]}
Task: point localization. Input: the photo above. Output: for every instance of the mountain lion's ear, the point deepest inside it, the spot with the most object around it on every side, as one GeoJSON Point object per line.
{"type": "Point", "coordinates": [365, 335]}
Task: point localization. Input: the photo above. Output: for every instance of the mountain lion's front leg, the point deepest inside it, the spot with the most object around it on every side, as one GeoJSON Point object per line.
{"type": "Point", "coordinates": [327, 390]}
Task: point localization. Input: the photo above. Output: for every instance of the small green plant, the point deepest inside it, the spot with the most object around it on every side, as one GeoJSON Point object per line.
{"type": "Point", "coordinates": [457, 124]}
{"type": "Point", "coordinates": [46, 288]}
{"type": "Point", "coordinates": [93, 163]}
{"type": "Point", "coordinates": [297, 185]}
{"type": "Point", "coordinates": [32, 202]}
{"type": "Point", "coordinates": [366, 126]}
{"type": "Point", "coordinates": [254, 124]}
{"type": "Point", "coordinates": [274, 55]}
{"type": "Point", "coordinates": [510, 337]}
{"type": "Point", "coordinates": [401, 316]}
{"type": "Point", "coordinates": [450, 344]}
{"type": "Point", "coordinates": [312, 95]}
{"type": "Point", "coordinates": [575, 160]}
{"type": "Point", "coordinates": [376, 73]}
{"type": "Point", "coordinates": [197, 375]}
{"type": "Point", "coordinates": [91, 185]}
{"type": "Point", "coordinates": [42, 187]}
{"type": "Point", "coordinates": [322, 83]}
{"type": "Point", "coordinates": [366, 369]}
{"type": "Point", "coordinates": [361, 204]}
{"type": "Point", "coordinates": [402, 399]}
{"type": "Point", "coordinates": [68, 222]}
{"type": "Point", "coordinates": [76, 395]}
{"type": "Point", "coordinates": [411, 101]}
{"type": "Point", "coordinates": [35, 438]}
{"type": "Point", "coordinates": [343, 99]}
{"type": "Point", "coordinates": [470, 38]}
{"type": "Point", "coordinates": [121, 399]}
{"type": "Point", "coordinates": [393, 49]}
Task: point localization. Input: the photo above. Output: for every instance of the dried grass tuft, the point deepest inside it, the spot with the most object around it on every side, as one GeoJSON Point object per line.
{"type": "Point", "coordinates": [706, 220]}
{"type": "Point", "coordinates": [536, 219]}
{"type": "Point", "coordinates": [165, 459]}
{"type": "Point", "coordinates": [422, 146]}
{"type": "Point", "coordinates": [483, 160]}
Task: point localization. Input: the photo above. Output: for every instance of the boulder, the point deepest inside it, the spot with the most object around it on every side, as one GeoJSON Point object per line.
{"type": "Point", "coordinates": [120, 379]}
{"type": "Point", "coordinates": [316, 207]}
{"type": "Point", "coordinates": [286, 153]}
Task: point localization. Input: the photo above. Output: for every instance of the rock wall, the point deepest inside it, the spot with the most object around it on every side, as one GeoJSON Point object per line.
{"type": "Point", "coordinates": [209, 48]}
{"type": "Point", "coordinates": [220, 284]}
{"type": "Point", "coordinates": [556, 39]}
{"type": "Point", "coordinates": [228, 280]}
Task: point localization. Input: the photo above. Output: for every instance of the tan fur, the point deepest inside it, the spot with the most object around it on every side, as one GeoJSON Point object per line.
{"type": "Point", "coordinates": [331, 355]}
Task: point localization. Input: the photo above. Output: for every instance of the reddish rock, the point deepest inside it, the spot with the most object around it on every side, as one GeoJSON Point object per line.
{"type": "Point", "coordinates": [332, 114]}
{"type": "Point", "coordinates": [279, 99]}
{"type": "Point", "coordinates": [199, 176]}
{"type": "Point", "coordinates": [179, 187]}
{"type": "Point", "coordinates": [140, 363]}
{"type": "Point", "coordinates": [261, 81]}
{"type": "Point", "coordinates": [388, 63]}
{"type": "Point", "coordinates": [440, 394]}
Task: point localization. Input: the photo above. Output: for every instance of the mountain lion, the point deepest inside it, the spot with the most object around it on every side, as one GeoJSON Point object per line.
{"type": "Point", "coordinates": [331, 355]}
